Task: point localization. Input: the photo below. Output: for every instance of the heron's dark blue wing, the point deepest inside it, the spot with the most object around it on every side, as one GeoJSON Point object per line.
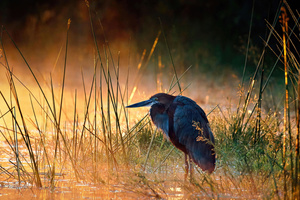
{"type": "Point", "coordinates": [192, 132]}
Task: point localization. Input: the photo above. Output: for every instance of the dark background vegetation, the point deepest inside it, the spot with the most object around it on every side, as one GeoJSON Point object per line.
{"type": "Point", "coordinates": [210, 35]}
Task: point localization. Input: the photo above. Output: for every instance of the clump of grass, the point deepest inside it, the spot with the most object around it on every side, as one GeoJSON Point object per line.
{"type": "Point", "coordinates": [251, 141]}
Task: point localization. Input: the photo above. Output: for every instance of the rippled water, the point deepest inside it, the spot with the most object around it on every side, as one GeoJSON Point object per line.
{"type": "Point", "coordinates": [170, 189]}
{"type": "Point", "coordinates": [72, 190]}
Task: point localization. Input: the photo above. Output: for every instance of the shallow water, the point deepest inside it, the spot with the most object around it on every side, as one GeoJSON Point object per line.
{"type": "Point", "coordinates": [134, 187]}
{"type": "Point", "coordinates": [85, 191]}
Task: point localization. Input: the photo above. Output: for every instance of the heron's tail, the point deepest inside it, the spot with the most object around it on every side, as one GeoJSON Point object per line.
{"type": "Point", "coordinates": [203, 153]}
{"type": "Point", "coordinates": [205, 164]}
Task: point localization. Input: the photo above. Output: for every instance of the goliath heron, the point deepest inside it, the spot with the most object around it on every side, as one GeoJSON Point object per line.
{"type": "Point", "coordinates": [185, 124]}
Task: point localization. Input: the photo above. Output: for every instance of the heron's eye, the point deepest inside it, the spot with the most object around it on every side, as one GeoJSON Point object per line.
{"type": "Point", "coordinates": [155, 99]}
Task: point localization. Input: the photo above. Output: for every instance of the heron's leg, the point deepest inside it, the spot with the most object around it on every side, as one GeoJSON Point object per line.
{"type": "Point", "coordinates": [186, 159]}
{"type": "Point", "coordinates": [191, 169]}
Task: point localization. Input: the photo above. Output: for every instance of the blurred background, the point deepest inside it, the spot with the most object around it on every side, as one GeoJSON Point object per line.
{"type": "Point", "coordinates": [211, 36]}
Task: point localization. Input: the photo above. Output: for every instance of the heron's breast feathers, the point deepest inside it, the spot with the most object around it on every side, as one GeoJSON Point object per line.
{"type": "Point", "coordinates": [162, 122]}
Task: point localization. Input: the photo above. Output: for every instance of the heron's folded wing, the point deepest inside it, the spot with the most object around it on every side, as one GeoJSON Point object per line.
{"type": "Point", "coordinates": [192, 130]}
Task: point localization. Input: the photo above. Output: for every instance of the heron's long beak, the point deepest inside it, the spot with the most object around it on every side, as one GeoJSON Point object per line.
{"type": "Point", "coordinates": [141, 104]}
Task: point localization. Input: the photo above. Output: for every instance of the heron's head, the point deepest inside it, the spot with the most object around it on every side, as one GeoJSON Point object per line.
{"type": "Point", "coordinates": [161, 98]}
